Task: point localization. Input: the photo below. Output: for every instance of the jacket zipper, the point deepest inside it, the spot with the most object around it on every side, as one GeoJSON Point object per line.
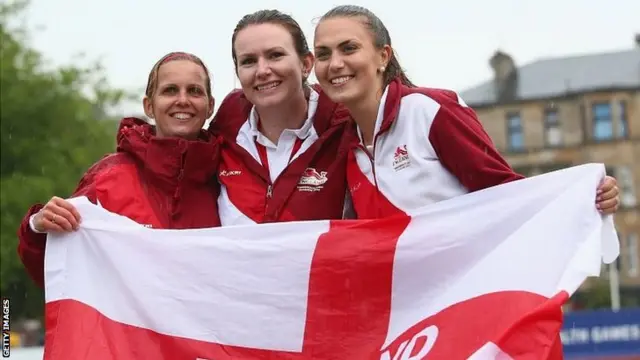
{"type": "Point", "coordinates": [268, 198]}
{"type": "Point", "coordinates": [176, 195]}
{"type": "Point", "coordinates": [270, 184]}
{"type": "Point", "coordinates": [371, 157]}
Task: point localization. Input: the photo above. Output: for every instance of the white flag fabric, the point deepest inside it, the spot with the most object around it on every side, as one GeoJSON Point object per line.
{"type": "Point", "coordinates": [481, 276]}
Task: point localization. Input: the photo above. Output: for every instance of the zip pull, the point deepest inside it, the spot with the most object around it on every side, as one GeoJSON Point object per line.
{"type": "Point", "coordinates": [267, 217]}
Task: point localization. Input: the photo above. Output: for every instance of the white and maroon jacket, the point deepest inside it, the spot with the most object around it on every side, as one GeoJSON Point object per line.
{"type": "Point", "coordinates": [303, 177]}
{"type": "Point", "coordinates": [428, 146]}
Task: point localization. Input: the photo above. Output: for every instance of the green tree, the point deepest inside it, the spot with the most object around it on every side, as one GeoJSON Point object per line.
{"type": "Point", "coordinates": [54, 125]}
{"type": "Point", "coordinates": [597, 296]}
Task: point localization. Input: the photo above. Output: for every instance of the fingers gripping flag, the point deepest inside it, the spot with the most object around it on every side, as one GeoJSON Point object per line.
{"type": "Point", "coordinates": [482, 276]}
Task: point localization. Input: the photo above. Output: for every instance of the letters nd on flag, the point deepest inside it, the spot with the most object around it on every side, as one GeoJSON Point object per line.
{"type": "Point", "coordinates": [481, 276]}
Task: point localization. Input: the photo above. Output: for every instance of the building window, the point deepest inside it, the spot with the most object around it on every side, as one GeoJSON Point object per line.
{"type": "Point", "coordinates": [602, 121]}
{"type": "Point", "coordinates": [632, 255]}
{"type": "Point", "coordinates": [515, 133]}
{"type": "Point", "coordinates": [624, 176]}
{"type": "Point", "coordinates": [622, 122]}
{"type": "Point", "coordinates": [552, 129]}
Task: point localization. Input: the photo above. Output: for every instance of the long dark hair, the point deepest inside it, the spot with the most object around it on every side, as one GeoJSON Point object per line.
{"type": "Point", "coordinates": [380, 38]}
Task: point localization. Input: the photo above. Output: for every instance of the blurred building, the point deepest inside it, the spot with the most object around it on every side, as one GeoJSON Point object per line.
{"type": "Point", "coordinates": [559, 112]}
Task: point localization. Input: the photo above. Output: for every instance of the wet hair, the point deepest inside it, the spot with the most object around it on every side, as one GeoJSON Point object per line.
{"type": "Point", "coordinates": [153, 75]}
{"type": "Point", "coordinates": [272, 17]}
{"type": "Point", "coordinates": [380, 36]}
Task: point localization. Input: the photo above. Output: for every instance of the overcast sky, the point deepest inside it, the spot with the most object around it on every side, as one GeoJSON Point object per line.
{"type": "Point", "coordinates": [440, 43]}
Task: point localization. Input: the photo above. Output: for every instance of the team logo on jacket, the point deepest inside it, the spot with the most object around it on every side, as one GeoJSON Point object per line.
{"type": "Point", "coordinates": [312, 180]}
{"type": "Point", "coordinates": [401, 158]}
{"type": "Point", "coordinates": [230, 172]}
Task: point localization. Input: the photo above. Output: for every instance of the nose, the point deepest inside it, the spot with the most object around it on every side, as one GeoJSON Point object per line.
{"type": "Point", "coordinates": [183, 98]}
{"type": "Point", "coordinates": [336, 63]}
{"type": "Point", "coordinates": [264, 68]}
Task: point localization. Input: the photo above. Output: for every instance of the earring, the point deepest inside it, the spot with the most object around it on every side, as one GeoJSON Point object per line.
{"type": "Point", "coordinates": [381, 69]}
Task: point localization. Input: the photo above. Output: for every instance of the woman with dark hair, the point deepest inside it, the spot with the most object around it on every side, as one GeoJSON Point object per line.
{"type": "Point", "coordinates": [416, 145]}
{"type": "Point", "coordinates": [285, 143]}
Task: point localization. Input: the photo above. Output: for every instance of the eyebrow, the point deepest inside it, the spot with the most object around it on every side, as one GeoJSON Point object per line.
{"type": "Point", "coordinates": [271, 49]}
{"type": "Point", "coordinates": [339, 45]}
{"type": "Point", "coordinates": [168, 84]}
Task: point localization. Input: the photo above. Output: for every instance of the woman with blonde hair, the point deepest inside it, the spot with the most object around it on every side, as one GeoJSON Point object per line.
{"type": "Point", "coordinates": [161, 176]}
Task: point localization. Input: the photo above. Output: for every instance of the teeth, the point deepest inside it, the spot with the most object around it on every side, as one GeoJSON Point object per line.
{"type": "Point", "coordinates": [341, 80]}
{"type": "Point", "coordinates": [268, 86]}
{"type": "Point", "coordinates": [182, 116]}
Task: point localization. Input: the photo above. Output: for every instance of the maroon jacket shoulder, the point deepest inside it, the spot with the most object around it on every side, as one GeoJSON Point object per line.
{"type": "Point", "coordinates": [459, 139]}
{"type": "Point", "coordinates": [162, 182]}
{"type": "Point", "coordinates": [287, 199]}
{"type": "Point", "coordinates": [232, 113]}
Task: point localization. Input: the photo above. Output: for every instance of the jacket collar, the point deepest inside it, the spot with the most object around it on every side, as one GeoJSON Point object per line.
{"type": "Point", "coordinates": [390, 106]}
{"type": "Point", "coordinates": [168, 161]}
{"type": "Point", "coordinates": [236, 109]}
{"type": "Point", "coordinates": [380, 118]}
{"type": "Point", "coordinates": [387, 110]}
{"type": "Point", "coordinates": [302, 133]}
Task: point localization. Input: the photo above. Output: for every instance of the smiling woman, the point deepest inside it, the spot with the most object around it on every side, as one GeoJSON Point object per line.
{"type": "Point", "coordinates": [272, 70]}
{"type": "Point", "coordinates": [178, 96]}
{"type": "Point", "coordinates": [285, 143]}
{"type": "Point", "coordinates": [417, 146]}
{"type": "Point", "coordinates": [160, 176]}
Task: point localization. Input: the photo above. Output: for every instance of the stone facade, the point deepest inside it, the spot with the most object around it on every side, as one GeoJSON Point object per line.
{"type": "Point", "coordinates": [572, 142]}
